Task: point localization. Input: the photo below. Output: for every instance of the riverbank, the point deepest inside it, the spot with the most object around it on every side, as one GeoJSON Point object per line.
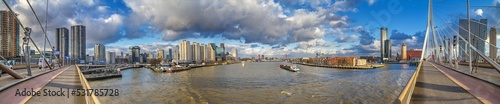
{"type": "Point", "coordinates": [345, 67]}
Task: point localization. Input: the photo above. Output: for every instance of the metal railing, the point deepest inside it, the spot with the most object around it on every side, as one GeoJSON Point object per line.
{"type": "Point", "coordinates": [92, 99]}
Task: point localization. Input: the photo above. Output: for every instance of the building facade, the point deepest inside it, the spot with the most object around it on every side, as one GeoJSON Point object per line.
{"type": "Point", "coordinates": [493, 40]}
{"type": "Point", "coordinates": [234, 53]}
{"type": "Point", "coordinates": [99, 54]}
{"type": "Point", "coordinates": [211, 51]}
{"type": "Point", "coordinates": [478, 28]}
{"type": "Point", "coordinates": [110, 58]}
{"type": "Point", "coordinates": [383, 37]}
{"type": "Point", "coordinates": [161, 54]}
{"type": "Point", "coordinates": [403, 52]}
{"type": "Point", "coordinates": [387, 53]}
{"type": "Point", "coordinates": [62, 45]}
{"type": "Point", "coordinates": [9, 35]}
{"type": "Point", "coordinates": [78, 44]}
{"type": "Point", "coordinates": [135, 52]}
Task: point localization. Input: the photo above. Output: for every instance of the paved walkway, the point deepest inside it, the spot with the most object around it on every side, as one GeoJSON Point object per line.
{"type": "Point", "coordinates": [439, 84]}
{"type": "Point", "coordinates": [433, 87]}
{"type": "Point", "coordinates": [67, 81]}
{"type": "Point", "coordinates": [487, 74]}
{"type": "Point", "coordinates": [8, 96]}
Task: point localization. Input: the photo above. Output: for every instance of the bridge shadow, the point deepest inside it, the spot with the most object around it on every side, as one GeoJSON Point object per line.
{"type": "Point", "coordinates": [419, 97]}
{"type": "Point", "coordinates": [448, 88]}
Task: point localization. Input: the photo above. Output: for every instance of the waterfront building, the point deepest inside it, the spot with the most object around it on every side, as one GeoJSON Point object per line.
{"type": "Point", "coordinates": [211, 51]}
{"type": "Point", "coordinates": [170, 57]}
{"type": "Point", "coordinates": [414, 54]}
{"type": "Point", "coordinates": [9, 35]}
{"type": "Point", "coordinates": [341, 61]}
{"type": "Point", "coordinates": [99, 54]}
{"type": "Point", "coordinates": [135, 52]}
{"type": "Point", "coordinates": [234, 53]}
{"type": "Point", "coordinates": [478, 28]}
{"type": "Point", "coordinates": [161, 54]}
{"type": "Point", "coordinates": [403, 52]}
{"type": "Point", "coordinates": [493, 40]}
{"type": "Point", "coordinates": [196, 52]}
{"type": "Point", "coordinates": [185, 51]}
{"type": "Point", "coordinates": [388, 49]}
{"type": "Point", "coordinates": [78, 44]}
{"type": "Point", "coordinates": [110, 58]}
{"type": "Point", "coordinates": [203, 52]}
{"type": "Point", "coordinates": [176, 53]}
{"type": "Point", "coordinates": [89, 59]}
{"type": "Point", "coordinates": [383, 37]}
{"type": "Point", "coordinates": [62, 45]}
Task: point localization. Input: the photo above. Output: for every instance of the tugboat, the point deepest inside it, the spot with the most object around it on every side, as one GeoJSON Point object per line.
{"type": "Point", "coordinates": [290, 68]}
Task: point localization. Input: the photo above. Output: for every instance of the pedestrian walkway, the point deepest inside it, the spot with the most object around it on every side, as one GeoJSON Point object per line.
{"type": "Point", "coordinates": [67, 81]}
{"type": "Point", "coordinates": [487, 74]}
{"type": "Point", "coordinates": [439, 84]}
{"type": "Point", "coordinates": [433, 87]}
{"type": "Point", "coordinates": [8, 96]}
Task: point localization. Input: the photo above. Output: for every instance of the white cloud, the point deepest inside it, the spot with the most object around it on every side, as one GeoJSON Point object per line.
{"type": "Point", "coordinates": [479, 12]}
{"type": "Point", "coordinates": [371, 2]}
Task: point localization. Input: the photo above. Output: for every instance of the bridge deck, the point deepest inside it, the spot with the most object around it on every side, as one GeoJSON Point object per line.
{"type": "Point", "coordinates": [66, 81]}
{"type": "Point", "coordinates": [432, 86]}
{"type": "Point", "coordinates": [438, 84]}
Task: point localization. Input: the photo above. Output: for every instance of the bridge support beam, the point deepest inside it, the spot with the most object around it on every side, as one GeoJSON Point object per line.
{"type": "Point", "coordinates": [10, 72]}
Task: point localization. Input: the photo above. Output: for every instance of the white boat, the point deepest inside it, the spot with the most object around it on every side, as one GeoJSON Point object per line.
{"type": "Point", "coordinates": [243, 63]}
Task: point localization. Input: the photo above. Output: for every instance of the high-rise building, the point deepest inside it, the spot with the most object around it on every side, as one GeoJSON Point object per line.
{"type": "Point", "coordinates": [185, 51]}
{"type": "Point", "coordinates": [203, 52]}
{"type": "Point", "coordinates": [170, 57]}
{"type": "Point", "coordinates": [9, 34]}
{"type": "Point", "coordinates": [211, 50]}
{"type": "Point", "coordinates": [196, 52]}
{"type": "Point", "coordinates": [493, 40]}
{"type": "Point", "coordinates": [99, 54]}
{"type": "Point", "coordinates": [136, 54]}
{"type": "Point", "coordinates": [161, 54]}
{"type": "Point", "coordinates": [403, 52]}
{"type": "Point", "coordinates": [62, 45]}
{"type": "Point", "coordinates": [234, 53]}
{"type": "Point", "coordinates": [176, 53]}
{"type": "Point", "coordinates": [78, 44]}
{"type": "Point", "coordinates": [388, 49]}
{"type": "Point", "coordinates": [110, 57]}
{"type": "Point", "coordinates": [478, 28]}
{"type": "Point", "coordinates": [383, 37]}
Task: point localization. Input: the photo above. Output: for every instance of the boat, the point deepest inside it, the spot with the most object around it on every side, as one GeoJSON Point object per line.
{"type": "Point", "coordinates": [242, 63]}
{"type": "Point", "coordinates": [289, 68]}
{"type": "Point", "coordinates": [177, 68]}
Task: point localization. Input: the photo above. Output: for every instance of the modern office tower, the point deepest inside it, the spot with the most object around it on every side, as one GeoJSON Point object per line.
{"type": "Point", "coordinates": [493, 40]}
{"type": "Point", "coordinates": [383, 37]}
{"type": "Point", "coordinates": [478, 28]}
{"type": "Point", "coordinates": [99, 54]}
{"type": "Point", "coordinates": [9, 35]}
{"type": "Point", "coordinates": [121, 54]}
{"type": "Point", "coordinates": [387, 49]}
{"type": "Point", "coordinates": [89, 58]}
{"type": "Point", "coordinates": [176, 53]}
{"type": "Point", "coordinates": [136, 54]}
{"type": "Point", "coordinates": [62, 45]}
{"type": "Point", "coordinates": [403, 52]}
{"type": "Point", "coordinates": [110, 58]}
{"type": "Point", "coordinates": [186, 51]}
{"type": "Point", "coordinates": [196, 52]}
{"type": "Point", "coordinates": [170, 57]}
{"type": "Point", "coordinates": [223, 54]}
{"type": "Point", "coordinates": [78, 44]}
{"type": "Point", "coordinates": [161, 54]}
{"type": "Point", "coordinates": [203, 52]}
{"type": "Point", "coordinates": [211, 51]}
{"type": "Point", "coordinates": [234, 53]}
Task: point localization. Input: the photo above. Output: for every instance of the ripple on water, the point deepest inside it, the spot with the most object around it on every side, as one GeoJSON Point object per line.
{"type": "Point", "coordinates": [258, 83]}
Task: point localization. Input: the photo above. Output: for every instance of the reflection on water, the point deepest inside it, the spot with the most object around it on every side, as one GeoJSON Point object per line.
{"type": "Point", "coordinates": [259, 83]}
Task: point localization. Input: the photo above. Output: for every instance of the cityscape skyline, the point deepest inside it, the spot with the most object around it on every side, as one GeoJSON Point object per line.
{"type": "Point", "coordinates": [343, 33]}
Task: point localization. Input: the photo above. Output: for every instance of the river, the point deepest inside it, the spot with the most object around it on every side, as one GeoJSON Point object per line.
{"type": "Point", "coordinates": [256, 82]}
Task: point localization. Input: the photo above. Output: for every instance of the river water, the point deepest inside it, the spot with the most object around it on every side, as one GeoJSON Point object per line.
{"type": "Point", "coordinates": [261, 82]}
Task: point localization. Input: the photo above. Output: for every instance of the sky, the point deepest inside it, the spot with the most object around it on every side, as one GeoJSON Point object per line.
{"type": "Point", "coordinates": [297, 28]}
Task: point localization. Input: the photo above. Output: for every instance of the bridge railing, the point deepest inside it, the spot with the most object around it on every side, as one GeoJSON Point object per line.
{"type": "Point", "coordinates": [92, 99]}
{"type": "Point", "coordinates": [405, 95]}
